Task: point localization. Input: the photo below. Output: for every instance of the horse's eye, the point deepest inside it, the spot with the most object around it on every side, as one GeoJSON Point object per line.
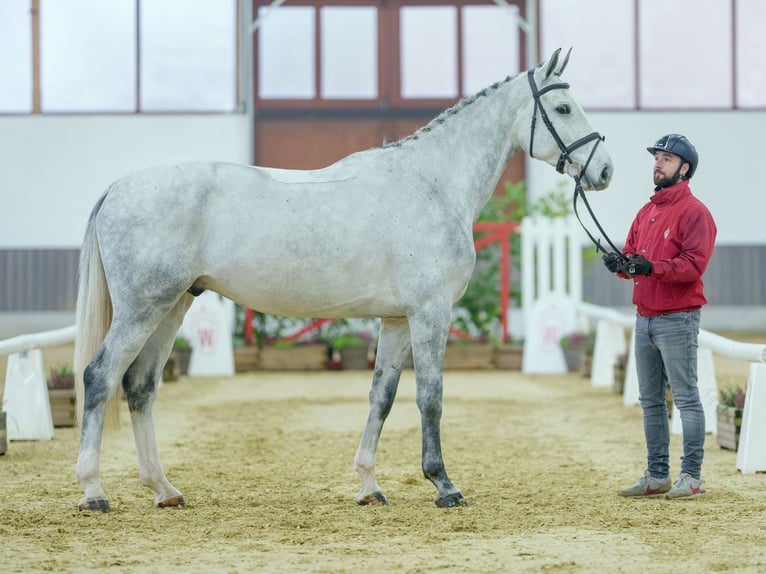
{"type": "Point", "coordinates": [563, 109]}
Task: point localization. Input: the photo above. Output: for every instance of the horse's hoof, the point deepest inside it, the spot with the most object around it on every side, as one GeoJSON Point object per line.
{"type": "Point", "coordinates": [373, 499]}
{"type": "Point", "coordinates": [172, 502]}
{"type": "Point", "coordinates": [451, 501]}
{"type": "Point", "coordinates": [95, 505]}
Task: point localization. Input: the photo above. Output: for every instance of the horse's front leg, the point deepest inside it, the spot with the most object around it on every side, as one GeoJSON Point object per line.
{"type": "Point", "coordinates": [393, 348]}
{"type": "Point", "coordinates": [429, 332]}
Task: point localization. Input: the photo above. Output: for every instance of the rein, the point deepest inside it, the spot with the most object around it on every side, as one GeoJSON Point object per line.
{"type": "Point", "coordinates": [566, 157]}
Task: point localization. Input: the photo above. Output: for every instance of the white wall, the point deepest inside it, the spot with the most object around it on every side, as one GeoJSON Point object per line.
{"type": "Point", "coordinates": [54, 168]}
{"type": "Point", "coordinates": [728, 180]}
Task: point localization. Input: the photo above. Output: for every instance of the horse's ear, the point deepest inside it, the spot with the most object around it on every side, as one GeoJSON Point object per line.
{"type": "Point", "coordinates": [552, 63]}
{"type": "Point", "coordinates": [564, 63]}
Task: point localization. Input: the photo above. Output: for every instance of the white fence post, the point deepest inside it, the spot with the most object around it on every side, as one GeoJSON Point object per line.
{"type": "Point", "coordinates": [708, 389]}
{"type": "Point", "coordinates": [551, 288]}
{"type": "Point", "coordinates": [25, 398]}
{"type": "Point", "coordinates": [751, 452]}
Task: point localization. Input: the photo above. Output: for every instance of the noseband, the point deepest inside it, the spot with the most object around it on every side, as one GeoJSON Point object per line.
{"type": "Point", "coordinates": [565, 156]}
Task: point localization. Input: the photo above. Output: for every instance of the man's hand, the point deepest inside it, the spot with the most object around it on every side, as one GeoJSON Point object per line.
{"type": "Point", "coordinates": [612, 261]}
{"type": "Point", "coordinates": [639, 265]}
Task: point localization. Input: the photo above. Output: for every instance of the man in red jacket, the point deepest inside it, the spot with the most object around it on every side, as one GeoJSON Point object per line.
{"type": "Point", "coordinates": [666, 252]}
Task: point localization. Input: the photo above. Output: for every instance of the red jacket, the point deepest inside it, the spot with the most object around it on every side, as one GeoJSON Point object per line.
{"type": "Point", "coordinates": [676, 232]}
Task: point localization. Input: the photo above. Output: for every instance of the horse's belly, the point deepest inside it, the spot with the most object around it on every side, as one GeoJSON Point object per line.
{"type": "Point", "coordinates": [301, 294]}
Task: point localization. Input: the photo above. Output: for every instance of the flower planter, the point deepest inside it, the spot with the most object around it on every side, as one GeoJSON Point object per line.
{"type": "Point", "coordinates": [508, 357]}
{"type": "Point", "coordinates": [247, 358]}
{"type": "Point", "coordinates": [468, 356]}
{"type": "Point", "coordinates": [63, 407]}
{"type": "Point", "coordinates": [170, 370]}
{"type": "Point", "coordinates": [3, 434]}
{"type": "Point", "coordinates": [183, 357]}
{"type": "Point", "coordinates": [729, 425]}
{"type": "Point", "coordinates": [356, 357]}
{"type": "Point", "coordinates": [308, 357]}
{"type": "Point", "coordinates": [618, 382]}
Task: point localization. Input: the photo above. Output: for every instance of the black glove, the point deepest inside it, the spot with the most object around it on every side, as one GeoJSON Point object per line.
{"type": "Point", "coordinates": [639, 265]}
{"type": "Point", "coordinates": [612, 261]}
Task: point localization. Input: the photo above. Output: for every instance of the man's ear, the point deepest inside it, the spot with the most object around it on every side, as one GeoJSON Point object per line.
{"type": "Point", "coordinates": [684, 169]}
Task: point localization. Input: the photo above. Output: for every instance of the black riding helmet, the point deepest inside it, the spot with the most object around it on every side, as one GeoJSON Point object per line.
{"type": "Point", "coordinates": [680, 146]}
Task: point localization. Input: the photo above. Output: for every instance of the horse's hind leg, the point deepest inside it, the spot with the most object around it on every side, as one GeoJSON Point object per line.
{"type": "Point", "coordinates": [122, 344]}
{"type": "Point", "coordinates": [393, 347]}
{"type": "Point", "coordinates": [140, 384]}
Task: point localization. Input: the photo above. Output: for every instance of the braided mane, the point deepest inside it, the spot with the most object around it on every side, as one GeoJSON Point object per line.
{"type": "Point", "coordinates": [451, 111]}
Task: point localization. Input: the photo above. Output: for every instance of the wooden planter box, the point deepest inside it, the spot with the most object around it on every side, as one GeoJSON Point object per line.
{"type": "Point", "coordinates": [247, 359]}
{"type": "Point", "coordinates": [3, 434]}
{"type": "Point", "coordinates": [508, 357]}
{"type": "Point", "coordinates": [468, 356]}
{"type": "Point", "coordinates": [586, 364]}
{"type": "Point", "coordinates": [729, 425]}
{"type": "Point", "coordinates": [298, 358]}
{"type": "Point", "coordinates": [618, 382]}
{"type": "Point", "coordinates": [63, 407]}
{"type": "Point", "coordinates": [356, 357]}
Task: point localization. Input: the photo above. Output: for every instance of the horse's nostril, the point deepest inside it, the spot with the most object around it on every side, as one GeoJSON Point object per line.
{"type": "Point", "coordinates": [605, 174]}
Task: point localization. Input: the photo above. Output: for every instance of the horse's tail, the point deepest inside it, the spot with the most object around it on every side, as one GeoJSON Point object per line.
{"type": "Point", "coordinates": [93, 315]}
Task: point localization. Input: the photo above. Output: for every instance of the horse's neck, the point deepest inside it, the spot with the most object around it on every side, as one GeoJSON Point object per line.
{"type": "Point", "coordinates": [469, 149]}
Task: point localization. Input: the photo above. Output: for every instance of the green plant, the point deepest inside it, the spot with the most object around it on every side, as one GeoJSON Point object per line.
{"type": "Point", "coordinates": [61, 377]}
{"type": "Point", "coordinates": [478, 311]}
{"type": "Point", "coordinates": [181, 343]}
{"type": "Point", "coordinates": [734, 396]}
{"type": "Point", "coordinates": [342, 333]}
{"type": "Point", "coordinates": [574, 339]}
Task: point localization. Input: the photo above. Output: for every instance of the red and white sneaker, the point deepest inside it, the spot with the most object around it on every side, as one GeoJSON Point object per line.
{"type": "Point", "coordinates": [648, 486]}
{"type": "Point", "coordinates": [686, 487]}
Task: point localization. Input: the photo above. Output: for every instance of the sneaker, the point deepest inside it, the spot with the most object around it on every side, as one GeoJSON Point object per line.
{"type": "Point", "coordinates": [686, 487]}
{"type": "Point", "coordinates": [648, 485]}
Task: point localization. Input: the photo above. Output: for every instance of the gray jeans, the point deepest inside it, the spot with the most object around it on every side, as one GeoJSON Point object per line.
{"type": "Point", "coordinates": [666, 350]}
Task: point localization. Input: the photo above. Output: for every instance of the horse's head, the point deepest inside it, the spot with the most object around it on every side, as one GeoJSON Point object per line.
{"type": "Point", "coordinates": [553, 128]}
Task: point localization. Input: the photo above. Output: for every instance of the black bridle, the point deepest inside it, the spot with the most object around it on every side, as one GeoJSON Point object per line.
{"type": "Point", "coordinates": [565, 156]}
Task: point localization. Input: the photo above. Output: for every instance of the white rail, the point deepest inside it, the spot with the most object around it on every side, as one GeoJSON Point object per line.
{"type": "Point", "coordinates": [752, 352]}
{"type": "Point", "coordinates": [23, 343]}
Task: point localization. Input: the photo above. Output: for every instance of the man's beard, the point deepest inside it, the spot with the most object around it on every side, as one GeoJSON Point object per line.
{"type": "Point", "coordinates": [667, 181]}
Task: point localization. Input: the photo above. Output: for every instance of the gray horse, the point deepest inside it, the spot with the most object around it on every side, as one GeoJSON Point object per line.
{"type": "Point", "coordinates": [385, 232]}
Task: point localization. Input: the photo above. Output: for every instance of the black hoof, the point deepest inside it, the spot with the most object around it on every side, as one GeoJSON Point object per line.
{"type": "Point", "coordinates": [95, 505]}
{"type": "Point", "coordinates": [451, 501]}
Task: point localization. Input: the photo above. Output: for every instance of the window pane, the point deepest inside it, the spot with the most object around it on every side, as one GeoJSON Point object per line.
{"type": "Point", "coordinates": [15, 56]}
{"type": "Point", "coordinates": [429, 52]}
{"type": "Point", "coordinates": [286, 53]}
{"type": "Point", "coordinates": [188, 55]}
{"type": "Point", "coordinates": [602, 68]}
{"type": "Point", "coordinates": [349, 52]}
{"type": "Point", "coordinates": [751, 53]}
{"type": "Point", "coordinates": [490, 46]}
{"type": "Point", "coordinates": [685, 53]}
{"type": "Point", "coordinates": [87, 55]}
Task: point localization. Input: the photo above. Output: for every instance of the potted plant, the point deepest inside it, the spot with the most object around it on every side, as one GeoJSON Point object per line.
{"type": "Point", "coordinates": [620, 367]}
{"type": "Point", "coordinates": [61, 395]}
{"type": "Point", "coordinates": [182, 350]}
{"type": "Point", "coordinates": [586, 364]}
{"type": "Point", "coordinates": [573, 346]}
{"type": "Point", "coordinates": [730, 406]}
{"type": "Point", "coordinates": [350, 344]}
